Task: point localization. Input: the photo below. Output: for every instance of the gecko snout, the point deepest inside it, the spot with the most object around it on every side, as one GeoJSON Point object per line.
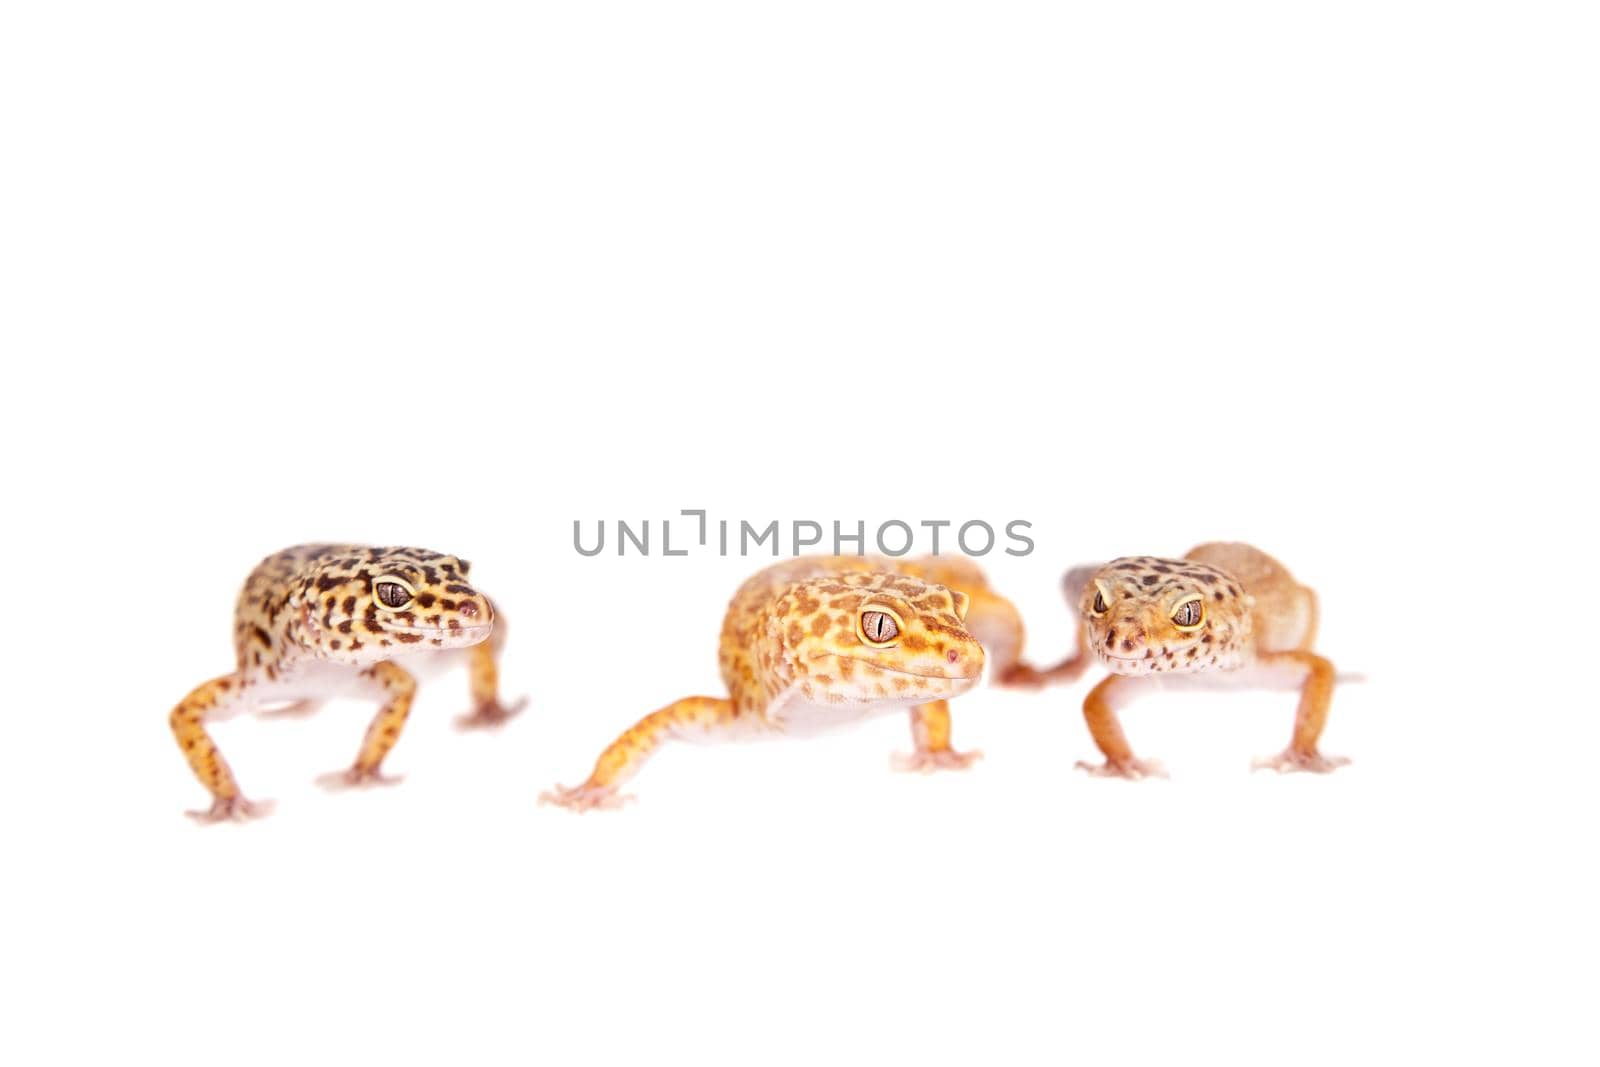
{"type": "Point", "coordinates": [1125, 638]}
{"type": "Point", "coordinates": [475, 611]}
{"type": "Point", "coordinates": [965, 660]}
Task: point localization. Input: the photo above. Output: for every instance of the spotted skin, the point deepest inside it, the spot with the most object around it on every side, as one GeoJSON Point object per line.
{"type": "Point", "coordinates": [795, 661]}
{"type": "Point", "coordinates": [991, 618]}
{"type": "Point", "coordinates": [322, 620]}
{"type": "Point", "coordinates": [1225, 614]}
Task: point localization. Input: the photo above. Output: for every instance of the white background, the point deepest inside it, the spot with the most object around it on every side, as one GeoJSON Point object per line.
{"type": "Point", "coordinates": [1143, 275]}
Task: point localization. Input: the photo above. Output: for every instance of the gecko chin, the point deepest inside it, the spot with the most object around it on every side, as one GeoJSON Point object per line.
{"type": "Point", "coordinates": [957, 686]}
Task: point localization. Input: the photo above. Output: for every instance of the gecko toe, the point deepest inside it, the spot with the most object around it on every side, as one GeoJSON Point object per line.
{"type": "Point", "coordinates": [232, 809]}
{"type": "Point", "coordinates": [357, 778]}
{"type": "Point", "coordinates": [490, 714]}
{"type": "Point", "coordinates": [1131, 769]}
{"type": "Point", "coordinates": [585, 798]}
{"type": "Point", "coordinates": [924, 761]}
{"type": "Point", "coordinates": [1289, 761]}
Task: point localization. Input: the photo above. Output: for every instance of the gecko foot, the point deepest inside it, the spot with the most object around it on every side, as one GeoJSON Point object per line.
{"type": "Point", "coordinates": [490, 714]}
{"type": "Point", "coordinates": [356, 777]}
{"type": "Point", "coordinates": [1289, 761]}
{"type": "Point", "coordinates": [926, 761]}
{"type": "Point", "coordinates": [1130, 768]}
{"type": "Point", "coordinates": [232, 809]}
{"type": "Point", "coordinates": [585, 798]}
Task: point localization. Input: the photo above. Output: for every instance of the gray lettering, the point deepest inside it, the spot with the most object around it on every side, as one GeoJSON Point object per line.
{"type": "Point", "coordinates": [745, 530]}
{"type": "Point", "coordinates": [961, 537]}
{"type": "Point", "coordinates": [577, 542]}
{"type": "Point", "coordinates": [624, 532]}
{"type": "Point", "coordinates": [903, 548]}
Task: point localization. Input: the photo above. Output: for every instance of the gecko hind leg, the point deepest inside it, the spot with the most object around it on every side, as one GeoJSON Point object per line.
{"type": "Point", "coordinates": [930, 733]}
{"type": "Point", "coordinates": [1068, 670]}
{"type": "Point", "coordinates": [623, 757]}
{"type": "Point", "coordinates": [1027, 676]}
{"type": "Point", "coordinates": [1316, 693]}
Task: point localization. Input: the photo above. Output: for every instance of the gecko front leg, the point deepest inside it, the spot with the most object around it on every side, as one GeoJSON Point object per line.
{"type": "Point", "coordinates": [398, 689]}
{"type": "Point", "coordinates": [187, 720]}
{"type": "Point", "coordinates": [1100, 713]}
{"type": "Point", "coordinates": [483, 672]}
{"type": "Point", "coordinates": [487, 711]}
{"type": "Point", "coordinates": [930, 734]}
{"type": "Point", "coordinates": [1316, 694]}
{"type": "Point", "coordinates": [623, 757]}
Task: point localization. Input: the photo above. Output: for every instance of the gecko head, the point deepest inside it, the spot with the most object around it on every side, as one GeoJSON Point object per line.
{"type": "Point", "coordinates": [1147, 615]}
{"type": "Point", "coordinates": [875, 638]}
{"type": "Point", "coordinates": [374, 603]}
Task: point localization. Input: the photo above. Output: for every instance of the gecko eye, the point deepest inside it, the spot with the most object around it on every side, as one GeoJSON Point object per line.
{"type": "Point", "coordinates": [393, 593]}
{"type": "Point", "coordinates": [1102, 598]}
{"type": "Point", "coordinates": [1190, 613]}
{"type": "Point", "coordinates": [878, 627]}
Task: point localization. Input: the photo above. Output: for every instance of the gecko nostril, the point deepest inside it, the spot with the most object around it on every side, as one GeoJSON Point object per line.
{"type": "Point", "coordinates": [952, 655]}
{"type": "Point", "coordinates": [1111, 637]}
{"type": "Point", "coordinates": [470, 610]}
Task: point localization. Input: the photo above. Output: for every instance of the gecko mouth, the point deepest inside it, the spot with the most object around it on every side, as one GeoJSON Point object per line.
{"type": "Point", "coordinates": [1149, 655]}
{"type": "Point", "coordinates": [467, 634]}
{"type": "Point", "coordinates": [460, 635]}
{"type": "Point", "coordinates": [476, 633]}
{"type": "Point", "coordinates": [902, 670]}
